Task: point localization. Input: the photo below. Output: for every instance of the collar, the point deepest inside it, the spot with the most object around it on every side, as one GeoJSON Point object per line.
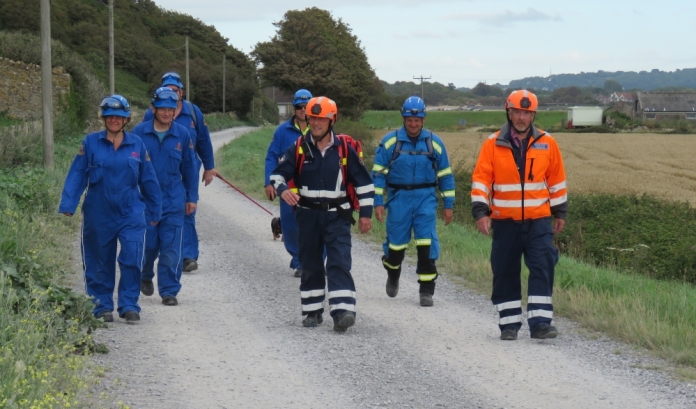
{"type": "Point", "coordinates": [127, 138]}
{"type": "Point", "coordinates": [403, 136]}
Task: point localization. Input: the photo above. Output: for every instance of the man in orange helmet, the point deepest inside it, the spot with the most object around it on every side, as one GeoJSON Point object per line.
{"type": "Point", "coordinates": [518, 184]}
{"type": "Point", "coordinates": [322, 166]}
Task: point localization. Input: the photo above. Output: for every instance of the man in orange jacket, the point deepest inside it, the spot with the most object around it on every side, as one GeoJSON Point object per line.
{"type": "Point", "coordinates": [517, 186]}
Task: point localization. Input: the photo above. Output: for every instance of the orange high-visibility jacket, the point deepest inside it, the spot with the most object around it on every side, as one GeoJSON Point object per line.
{"type": "Point", "coordinates": [496, 180]}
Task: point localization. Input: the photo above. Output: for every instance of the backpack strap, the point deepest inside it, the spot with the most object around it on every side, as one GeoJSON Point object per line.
{"type": "Point", "coordinates": [189, 104]}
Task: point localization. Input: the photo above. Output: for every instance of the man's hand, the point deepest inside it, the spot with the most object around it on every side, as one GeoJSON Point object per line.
{"type": "Point", "coordinates": [484, 225]}
{"type": "Point", "coordinates": [379, 213]}
{"type": "Point", "coordinates": [290, 197]}
{"type": "Point", "coordinates": [208, 176]}
{"type": "Point", "coordinates": [365, 224]}
{"type": "Point", "coordinates": [447, 216]}
{"type": "Point", "coordinates": [153, 223]}
{"type": "Point", "coordinates": [67, 214]}
{"type": "Point", "coordinates": [270, 192]}
{"type": "Point", "coordinates": [190, 208]}
{"type": "Point", "coordinates": [558, 225]}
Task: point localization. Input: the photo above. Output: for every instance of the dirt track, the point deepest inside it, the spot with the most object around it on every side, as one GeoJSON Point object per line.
{"type": "Point", "coordinates": [236, 340]}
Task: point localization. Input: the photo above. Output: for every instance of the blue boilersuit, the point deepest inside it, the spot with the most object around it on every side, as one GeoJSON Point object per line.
{"type": "Point", "coordinates": [204, 155]}
{"type": "Point", "coordinates": [123, 196]}
{"type": "Point", "coordinates": [284, 137]}
{"type": "Point", "coordinates": [177, 171]}
{"type": "Point", "coordinates": [321, 184]}
{"type": "Point", "coordinates": [411, 182]}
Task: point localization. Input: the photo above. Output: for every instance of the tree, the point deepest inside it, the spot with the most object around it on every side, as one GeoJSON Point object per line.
{"type": "Point", "coordinates": [611, 86]}
{"type": "Point", "coordinates": [483, 90]}
{"type": "Point", "coordinates": [312, 50]}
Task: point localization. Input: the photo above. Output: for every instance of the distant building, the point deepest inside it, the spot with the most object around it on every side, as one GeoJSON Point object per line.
{"type": "Point", "coordinates": [660, 106]}
{"type": "Point", "coordinates": [622, 97]}
{"type": "Point", "coordinates": [282, 100]}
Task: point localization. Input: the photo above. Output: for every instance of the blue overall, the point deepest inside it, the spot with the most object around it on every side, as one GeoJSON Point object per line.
{"type": "Point", "coordinates": [284, 137]}
{"type": "Point", "coordinates": [177, 172]}
{"type": "Point", "coordinates": [411, 183]}
{"type": "Point", "coordinates": [321, 228]}
{"type": "Point", "coordinates": [123, 196]}
{"type": "Point", "coordinates": [204, 155]}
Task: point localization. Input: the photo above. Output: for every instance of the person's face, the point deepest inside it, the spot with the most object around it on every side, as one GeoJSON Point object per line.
{"type": "Point", "coordinates": [179, 91]}
{"type": "Point", "coordinates": [413, 125]}
{"type": "Point", "coordinates": [115, 123]}
{"type": "Point", "coordinates": [521, 119]}
{"type": "Point", "coordinates": [301, 112]}
{"type": "Point", "coordinates": [164, 115]}
{"type": "Point", "coordinates": [318, 127]}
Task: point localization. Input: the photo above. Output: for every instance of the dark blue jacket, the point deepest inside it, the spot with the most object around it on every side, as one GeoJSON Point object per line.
{"type": "Point", "coordinates": [119, 182]}
{"type": "Point", "coordinates": [198, 129]}
{"type": "Point", "coordinates": [321, 179]}
{"type": "Point", "coordinates": [175, 164]}
{"type": "Point", "coordinates": [285, 136]}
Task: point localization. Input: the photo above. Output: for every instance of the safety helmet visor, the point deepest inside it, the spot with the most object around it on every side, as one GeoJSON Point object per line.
{"type": "Point", "coordinates": [165, 98]}
{"type": "Point", "coordinates": [172, 78]}
{"type": "Point", "coordinates": [115, 105]}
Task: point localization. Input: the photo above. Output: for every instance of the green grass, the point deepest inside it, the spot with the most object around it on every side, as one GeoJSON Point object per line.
{"type": "Point", "coordinates": [217, 121]}
{"type": "Point", "coordinates": [136, 91]}
{"type": "Point", "coordinates": [449, 120]}
{"type": "Point", "coordinates": [7, 121]}
{"type": "Point", "coordinates": [657, 315]}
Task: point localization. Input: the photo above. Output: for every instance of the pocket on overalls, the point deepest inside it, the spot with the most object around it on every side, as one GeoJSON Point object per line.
{"type": "Point", "coordinates": [174, 162]}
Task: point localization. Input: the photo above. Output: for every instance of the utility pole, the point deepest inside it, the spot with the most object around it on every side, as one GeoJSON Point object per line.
{"type": "Point", "coordinates": [112, 82]}
{"type": "Point", "coordinates": [188, 83]}
{"type": "Point", "coordinates": [421, 78]}
{"type": "Point", "coordinates": [46, 87]}
{"type": "Point", "coordinates": [224, 80]}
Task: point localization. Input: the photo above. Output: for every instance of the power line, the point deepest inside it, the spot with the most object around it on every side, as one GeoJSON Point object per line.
{"type": "Point", "coordinates": [421, 78]}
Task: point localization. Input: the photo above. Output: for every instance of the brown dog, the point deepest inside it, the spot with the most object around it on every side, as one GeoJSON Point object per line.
{"type": "Point", "coordinates": [276, 228]}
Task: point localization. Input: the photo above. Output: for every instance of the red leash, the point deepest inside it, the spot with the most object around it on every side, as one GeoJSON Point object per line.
{"type": "Point", "coordinates": [244, 194]}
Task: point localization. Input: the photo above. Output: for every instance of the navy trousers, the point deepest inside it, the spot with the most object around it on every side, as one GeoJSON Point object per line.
{"type": "Point", "coordinates": [512, 240]}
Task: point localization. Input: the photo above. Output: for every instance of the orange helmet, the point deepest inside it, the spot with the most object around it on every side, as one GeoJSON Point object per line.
{"type": "Point", "coordinates": [523, 100]}
{"type": "Point", "coordinates": [322, 107]}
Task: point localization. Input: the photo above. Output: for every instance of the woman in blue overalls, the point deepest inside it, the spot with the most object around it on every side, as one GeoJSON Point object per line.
{"type": "Point", "coordinates": [121, 185]}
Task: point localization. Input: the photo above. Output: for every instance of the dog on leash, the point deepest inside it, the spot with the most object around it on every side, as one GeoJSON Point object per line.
{"type": "Point", "coordinates": [276, 228]}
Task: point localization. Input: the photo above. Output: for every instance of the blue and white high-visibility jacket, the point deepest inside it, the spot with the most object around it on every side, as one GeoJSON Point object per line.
{"type": "Point", "coordinates": [413, 166]}
{"type": "Point", "coordinates": [321, 179]}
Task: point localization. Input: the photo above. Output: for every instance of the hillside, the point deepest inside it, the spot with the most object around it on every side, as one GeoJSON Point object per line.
{"type": "Point", "coordinates": [630, 80]}
{"type": "Point", "coordinates": [149, 41]}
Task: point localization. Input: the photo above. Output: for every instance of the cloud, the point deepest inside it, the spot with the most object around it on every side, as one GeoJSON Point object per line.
{"type": "Point", "coordinates": [506, 17]}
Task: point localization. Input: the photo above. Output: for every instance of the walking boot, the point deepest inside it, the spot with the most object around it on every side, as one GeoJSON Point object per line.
{"type": "Point", "coordinates": [190, 265]}
{"type": "Point", "coordinates": [107, 316]}
{"type": "Point", "coordinates": [392, 287]}
{"type": "Point", "coordinates": [426, 300]}
{"type": "Point", "coordinates": [508, 334]}
{"type": "Point", "coordinates": [130, 316]}
{"type": "Point", "coordinates": [147, 287]}
{"type": "Point", "coordinates": [545, 331]}
{"type": "Point", "coordinates": [344, 321]}
{"type": "Point", "coordinates": [169, 300]}
{"type": "Point", "coordinates": [298, 273]}
{"type": "Point", "coordinates": [312, 319]}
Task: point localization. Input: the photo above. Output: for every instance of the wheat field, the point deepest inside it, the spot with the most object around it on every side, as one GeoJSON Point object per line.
{"type": "Point", "coordinates": [628, 163]}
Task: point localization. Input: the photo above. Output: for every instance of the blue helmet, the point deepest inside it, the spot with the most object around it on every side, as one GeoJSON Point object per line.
{"type": "Point", "coordinates": [165, 98]}
{"type": "Point", "coordinates": [115, 105]}
{"type": "Point", "coordinates": [413, 106]}
{"type": "Point", "coordinates": [171, 78]}
{"type": "Point", "coordinates": [301, 97]}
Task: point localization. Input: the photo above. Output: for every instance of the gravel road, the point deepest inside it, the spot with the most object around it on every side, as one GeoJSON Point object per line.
{"type": "Point", "coordinates": [236, 340]}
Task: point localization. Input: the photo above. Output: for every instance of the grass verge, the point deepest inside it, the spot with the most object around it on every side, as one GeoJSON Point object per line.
{"type": "Point", "coordinates": [657, 315]}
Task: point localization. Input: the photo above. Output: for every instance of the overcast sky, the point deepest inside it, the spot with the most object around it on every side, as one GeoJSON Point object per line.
{"type": "Point", "coordinates": [467, 41]}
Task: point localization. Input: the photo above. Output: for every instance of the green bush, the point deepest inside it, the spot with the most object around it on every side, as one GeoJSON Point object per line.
{"type": "Point", "coordinates": [642, 235]}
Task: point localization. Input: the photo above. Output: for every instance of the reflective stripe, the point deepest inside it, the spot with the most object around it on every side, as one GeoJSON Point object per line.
{"type": "Point", "coordinates": [427, 277]}
{"type": "Point", "coordinates": [535, 186]}
{"type": "Point", "coordinates": [391, 141]}
{"type": "Point", "coordinates": [512, 187]}
{"type": "Point", "coordinates": [557, 187]}
{"type": "Point", "coordinates": [342, 306]}
{"type": "Point", "coordinates": [508, 305]}
{"type": "Point", "coordinates": [510, 320]}
{"type": "Point", "coordinates": [447, 193]}
{"type": "Point", "coordinates": [300, 151]}
{"type": "Point", "coordinates": [539, 313]}
{"type": "Point", "coordinates": [328, 194]}
{"type": "Point", "coordinates": [390, 266]}
{"type": "Point", "coordinates": [398, 247]}
{"type": "Point", "coordinates": [423, 242]}
{"type": "Point", "coordinates": [312, 307]}
{"type": "Point", "coordinates": [377, 168]}
{"type": "Point", "coordinates": [492, 136]}
{"type": "Point", "coordinates": [518, 203]}
{"type": "Point", "coordinates": [480, 186]}
{"type": "Point", "coordinates": [312, 293]}
{"type": "Point", "coordinates": [444, 172]}
{"type": "Point", "coordinates": [437, 147]}
{"type": "Point", "coordinates": [559, 200]}
{"type": "Point", "coordinates": [379, 191]}
{"type": "Point", "coordinates": [278, 179]}
{"type": "Point", "coordinates": [366, 202]}
{"type": "Point", "coordinates": [538, 299]}
{"type": "Point", "coordinates": [479, 199]}
{"type": "Point", "coordinates": [345, 161]}
{"type": "Point", "coordinates": [341, 293]}
{"type": "Point", "coordinates": [361, 190]}
{"type": "Point", "coordinates": [295, 190]}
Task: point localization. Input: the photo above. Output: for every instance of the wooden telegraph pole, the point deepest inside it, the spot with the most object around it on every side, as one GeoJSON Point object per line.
{"type": "Point", "coordinates": [46, 87]}
{"type": "Point", "coordinates": [189, 95]}
{"type": "Point", "coordinates": [421, 78]}
{"type": "Point", "coordinates": [112, 82]}
{"type": "Point", "coordinates": [224, 80]}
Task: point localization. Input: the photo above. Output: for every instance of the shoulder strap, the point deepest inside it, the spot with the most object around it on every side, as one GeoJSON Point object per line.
{"type": "Point", "coordinates": [189, 104]}
{"type": "Point", "coordinates": [299, 154]}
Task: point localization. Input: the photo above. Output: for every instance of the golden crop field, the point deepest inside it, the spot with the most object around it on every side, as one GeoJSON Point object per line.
{"type": "Point", "coordinates": [661, 165]}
